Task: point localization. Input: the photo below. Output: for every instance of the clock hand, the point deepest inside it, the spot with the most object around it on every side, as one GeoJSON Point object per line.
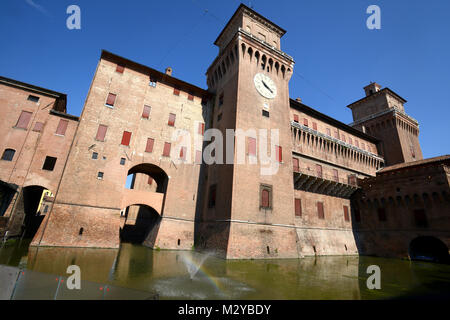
{"type": "Point", "coordinates": [265, 85]}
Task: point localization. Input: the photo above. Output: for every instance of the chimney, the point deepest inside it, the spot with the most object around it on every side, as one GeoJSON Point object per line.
{"type": "Point", "coordinates": [169, 71]}
{"type": "Point", "coordinates": [299, 100]}
{"type": "Point", "coordinates": [372, 88]}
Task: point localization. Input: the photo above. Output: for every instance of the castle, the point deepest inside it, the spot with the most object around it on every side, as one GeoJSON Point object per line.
{"type": "Point", "coordinates": [338, 190]}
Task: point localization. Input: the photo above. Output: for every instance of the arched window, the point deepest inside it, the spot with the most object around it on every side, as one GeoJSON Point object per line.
{"type": "Point", "coordinates": [8, 154]}
{"type": "Point", "coordinates": [265, 197]}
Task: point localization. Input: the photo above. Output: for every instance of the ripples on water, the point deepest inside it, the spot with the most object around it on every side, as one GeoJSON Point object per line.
{"type": "Point", "coordinates": [191, 275]}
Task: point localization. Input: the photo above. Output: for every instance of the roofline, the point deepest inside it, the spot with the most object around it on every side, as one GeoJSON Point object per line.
{"type": "Point", "coordinates": [158, 74]}
{"type": "Point", "coordinates": [378, 93]}
{"type": "Point", "coordinates": [413, 164]}
{"type": "Point", "coordinates": [35, 89]}
{"type": "Point", "coordinates": [303, 107]}
{"type": "Point", "coordinates": [253, 12]}
{"type": "Point", "coordinates": [64, 115]}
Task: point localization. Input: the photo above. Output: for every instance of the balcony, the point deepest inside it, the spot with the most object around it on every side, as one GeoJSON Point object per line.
{"type": "Point", "coordinates": [310, 180]}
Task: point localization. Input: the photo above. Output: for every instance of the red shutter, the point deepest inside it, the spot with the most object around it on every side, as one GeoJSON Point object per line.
{"type": "Point", "coordinates": [146, 112]}
{"type": "Point", "coordinates": [166, 151]}
{"type": "Point", "coordinates": [315, 126]}
{"type": "Point", "coordinates": [343, 138]}
{"type": "Point", "coordinates": [24, 119]}
{"type": "Point", "coordinates": [265, 198]}
{"type": "Point", "coordinates": [176, 91]}
{"type": "Point", "coordinates": [336, 134]}
{"type": "Point", "coordinates": [357, 143]}
{"type": "Point", "coordinates": [296, 166]}
{"type": "Point", "coordinates": [320, 212]}
{"type": "Point", "coordinates": [329, 132]}
{"type": "Point", "coordinates": [126, 137]}
{"type": "Point", "coordinates": [150, 180]}
{"type": "Point", "coordinates": [101, 132]}
{"type": "Point", "coordinates": [305, 122]}
{"type": "Point", "coordinates": [38, 127]}
{"type": "Point", "coordinates": [120, 68]}
{"type": "Point", "coordinates": [279, 154]}
{"type": "Point", "coordinates": [171, 120]}
{"type": "Point", "coordinates": [62, 126]}
{"type": "Point", "coordinates": [111, 99]}
{"type": "Point", "coordinates": [336, 175]}
{"type": "Point", "coordinates": [251, 146]}
{"type": "Point", "coordinates": [319, 170]}
{"type": "Point", "coordinates": [183, 153]}
{"type": "Point", "coordinates": [298, 207]}
{"type": "Point", "coordinates": [296, 118]}
{"type": "Point", "coordinates": [201, 128]}
{"type": "Point", "coordinates": [149, 147]}
{"type": "Point", "coordinates": [346, 215]}
{"type": "Point", "coordinates": [350, 140]}
{"type": "Point", "coordinates": [190, 97]}
{"type": "Point", "coordinates": [198, 157]}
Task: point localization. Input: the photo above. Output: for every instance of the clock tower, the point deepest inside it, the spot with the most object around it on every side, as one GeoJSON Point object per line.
{"type": "Point", "coordinates": [249, 201]}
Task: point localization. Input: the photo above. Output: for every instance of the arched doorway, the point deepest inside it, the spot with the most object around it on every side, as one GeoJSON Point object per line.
{"type": "Point", "coordinates": [428, 248]}
{"type": "Point", "coordinates": [140, 221]}
{"type": "Point", "coordinates": [36, 202]}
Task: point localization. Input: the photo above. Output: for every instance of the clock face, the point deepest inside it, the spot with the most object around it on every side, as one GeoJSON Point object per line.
{"type": "Point", "coordinates": [265, 86]}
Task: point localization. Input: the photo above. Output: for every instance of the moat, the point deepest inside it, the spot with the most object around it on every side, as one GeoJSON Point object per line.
{"type": "Point", "coordinates": [137, 272]}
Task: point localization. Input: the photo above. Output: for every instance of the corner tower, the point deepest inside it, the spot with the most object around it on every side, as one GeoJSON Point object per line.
{"type": "Point", "coordinates": [381, 113]}
{"type": "Point", "coordinates": [248, 213]}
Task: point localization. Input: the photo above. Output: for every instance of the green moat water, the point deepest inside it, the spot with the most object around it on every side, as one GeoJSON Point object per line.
{"type": "Point", "coordinates": [192, 275]}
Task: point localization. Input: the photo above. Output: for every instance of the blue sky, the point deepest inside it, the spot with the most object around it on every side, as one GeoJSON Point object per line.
{"type": "Point", "coordinates": [336, 55]}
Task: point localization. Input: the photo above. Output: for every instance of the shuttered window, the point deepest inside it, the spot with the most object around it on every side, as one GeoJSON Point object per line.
{"type": "Point", "coordinates": [328, 132]}
{"type": "Point", "coordinates": [315, 126]}
{"type": "Point", "coordinates": [172, 117]}
{"type": "Point", "coordinates": [201, 128]}
{"type": "Point", "coordinates": [305, 122]}
{"type": "Point", "coordinates": [111, 99]}
{"type": "Point", "coordinates": [149, 146]}
{"type": "Point", "coordinates": [166, 151]}
{"type": "Point", "coordinates": [176, 91]}
{"type": "Point", "coordinates": [346, 215]}
{"type": "Point", "coordinates": [335, 175]}
{"type": "Point", "coordinates": [126, 137]}
{"type": "Point", "coordinates": [357, 143]}
{"type": "Point", "coordinates": [320, 212]}
{"type": "Point", "coordinates": [190, 97]}
{"type": "Point", "coordinates": [62, 126]}
{"type": "Point", "coordinates": [298, 207]}
{"type": "Point", "coordinates": [319, 170]}
{"type": "Point", "coordinates": [120, 68]}
{"type": "Point", "coordinates": [101, 132]}
{"type": "Point", "coordinates": [265, 196]}
{"type": "Point", "coordinates": [251, 146]}
{"type": "Point", "coordinates": [350, 140]}
{"type": "Point", "coordinates": [24, 119]}
{"type": "Point", "coordinates": [296, 118]}
{"type": "Point", "coordinates": [38, 127]}
{"type": "Point", "coordinates": [336, 134]}
{"type": "Point", "coordinates": [279, 153]}
{"type": "Point", "coordinates": [150, 180]}
{"type": "Point", "coordinates": [343, 137]}
{"type": "Point", "coordinates": [183, 153]}
{"type": "Point", "coordinates": [296, 165]}
{"type": "Point", "coordinates": [146, 112]}
{"type": "Point", "coordinates": [198, 157]}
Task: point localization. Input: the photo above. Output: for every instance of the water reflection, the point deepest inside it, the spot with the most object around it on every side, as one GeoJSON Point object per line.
{"type": "Point", "coordinates": [191, 275]}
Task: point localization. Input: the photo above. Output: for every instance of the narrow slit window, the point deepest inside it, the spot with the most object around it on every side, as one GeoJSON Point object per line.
{"type": "Point", "coordinates": [320, 211]}
{"type": "Point", "coordinates": [298, 207]}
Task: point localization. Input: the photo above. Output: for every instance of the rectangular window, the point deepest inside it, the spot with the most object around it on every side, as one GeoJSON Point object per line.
{"type": "Point", "coordinates": [350, 140]}
{"type": "Point", "coordinates": [305, 122]}
{"type": "Point", "coordinates": [62, 127]}
{"type": "Point", "coordinates": [101, 132]}
{"type": "Point", "coordinates": [171, 121]}
{"type": "Point", "coordinates": [149, 146]}
{"type": "Point", "coordinates": [357, 143]}
{"type": "Point", "coordinates": [212, 196]}
{"type": "Point", "coordinates": [146, 112]}
{"type": "Point", "coordinates": [24, 119]}
{"type": "Point", "coordinates": [296, 118]}
{"type": "Point", "coordinates": [320, 211]}
{"type": "Point", "coordinates": [352, 180]}
{"type": "Point", "coordinates": [190, 96]}
{"type": "Point", "coordinates": [176, 91]}
{"type": "Point", "coordinates": [122, 161]}
{"type": "Point", "coordinates": [346, 215]}
{"type": "Point", "coordinates": [251, 148]}
{"type": "Point", "coordinates": [166, 151]}
{"type": "Point", "coordinates": [279, 153]}
{"type": "Point", "coordinates": [126, 137]}
{"type": "Point", "coordinates": [298, 207]}
{"type": "Point", "coordinates": [183, 153]}
{"type": "Point", "coordinates": [38, 127]}
{"type": "Point", "coordinates": [296, 165]}
{"type": "Point", "coordinates": [420, 218]}
{"type": "Point", "coordinates": [335, 175]}
{"type": "Point", "coordinates": [336, 134]}
{"type": "Point", "coordinates": [343, 137]}
{"type": "Point", "coordinates": [265, 193]}
{"type": "Point", "coordinates": [198, 157]}
{"type": "Point", "coordinates": [201, 128]}
{"type": "Point", "coordinates": [120, 68]}
{"type": "Point", "coordinates": [150, 180]}
{"type": "Point", "coordinates": [111, 99]}
{"type": "Point", "coordinates": [8, 154]}
{"type": "Point", "coordinates": [152, 82]}
{"type": "Point", "coordinates": [382, 214]}
{"type": "Point", "coordinates": [315, 126]}
{"type": "Point", "coordinates": [319, 170]}
{"type": "Point", "coordinates": [100, 176]}
{"type": "Point", "coordinates": [94, 155]}
{"type": "Point", "coordinates": [328, 132]}
{"type": "Point", "coordinates": [266, 113]}
{"type": "Point", "coordinates": [49, 163]}
{"type": "Point", "coordinates": [363, 146]}
{"type": "Point", "coordinates": [33, 98]}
